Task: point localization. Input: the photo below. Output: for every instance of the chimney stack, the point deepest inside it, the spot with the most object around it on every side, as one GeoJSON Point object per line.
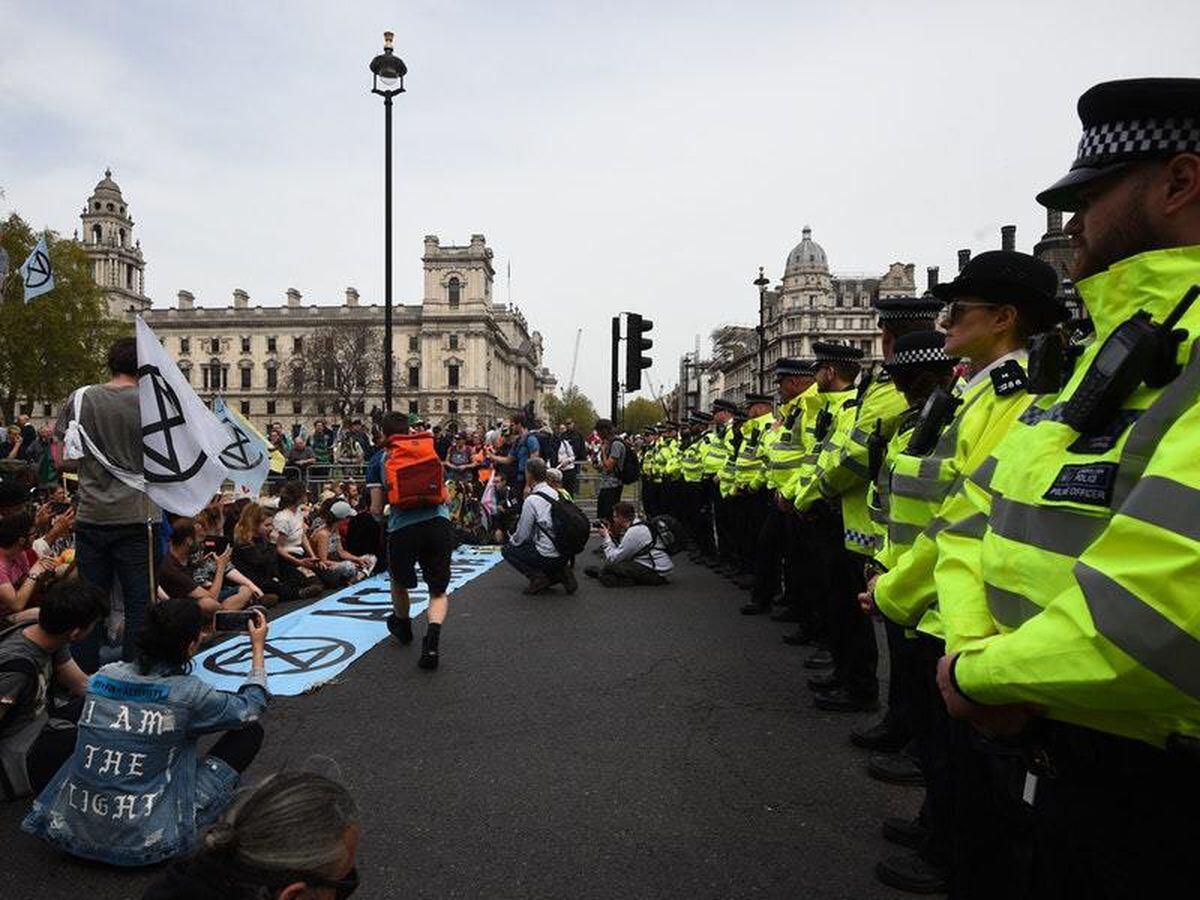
{"type": "Point", "coordinates": [964, 257]}
{"type": "Point", "coordinates": [931, 278]}
{"type": "Point", "coordinates": [293, 297]}
{"type": "Point", "coordinates": [1008, 237]}
{"type": "Point", "coordinates": [351, 297]}
{"type": "Point", "coordinates": [186, 300]}
{"type": "Point", "coordinates": [1053, 221]}
{"type": "Point", "coordinates": [240, 298]}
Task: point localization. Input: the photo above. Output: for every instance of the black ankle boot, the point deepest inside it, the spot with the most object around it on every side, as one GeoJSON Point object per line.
{"type": "Point", "coordinates": [401, 629]}
{"type": "Point", "coordinates": [429, 653]}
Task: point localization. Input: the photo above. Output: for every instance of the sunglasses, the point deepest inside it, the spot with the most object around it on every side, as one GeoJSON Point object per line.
{"type": "Point", "coordinates": [956, 309]}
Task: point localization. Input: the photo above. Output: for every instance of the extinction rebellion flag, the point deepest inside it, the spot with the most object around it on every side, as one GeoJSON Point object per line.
{"type": "Point", "coordinates": [182, 441]}
{"type": "Point", "coordinates": [246, 456]}
{"type": "Point", "coordinates": [36, 275]}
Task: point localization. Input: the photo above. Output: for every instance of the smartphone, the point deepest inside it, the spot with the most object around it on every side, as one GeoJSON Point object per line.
{"type": "Point", "coordinates": [236, 621]}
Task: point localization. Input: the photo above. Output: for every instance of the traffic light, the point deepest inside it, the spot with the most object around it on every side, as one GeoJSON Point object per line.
{"type": "Point", "coordinates": [635, 350]}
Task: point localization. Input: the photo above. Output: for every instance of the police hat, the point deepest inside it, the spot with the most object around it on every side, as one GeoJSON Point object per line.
{"type": "Point", "coordinates": [918, 350]}
{"type": "Point", "coordinates": [1006, 276]}
{"type": "Point", "coordinates": [1126, 122]}
{"type": "Point", "coordinates": [833, 352]}
{"type": "Point", "coordinates": [699, 417]}
{"type": "Point", "coordinates": [786, 368]}
{"type": "Point", "coordinates": [900, 309]}
{"type": "Point", "coordinates": [752, 399]}
{"type": "Point", "coordinates": [723, 405]}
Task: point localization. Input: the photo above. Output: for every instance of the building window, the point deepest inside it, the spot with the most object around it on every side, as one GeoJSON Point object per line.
{"type": "Point", "coordinates": [320, 408]}
{"type": "Point", "coordinates": [297, 345]}
{"type": "Point", "coordinates": [245, 345]}
{"type": "Point", "coordinates": [185, 345]}
{"type": "Point", "coordinates": [414, 343]}
{"type": "Point", "coordinates": [245, 407]}
{"type": "Point", "coordinates": [455, 291]}
{"type": "Point", "coordinates": [454, 342]}
{"type": "Point", "coordinates": [359, 406]}
{"type": "Point", "coordinates": [270, 407]}
{"type": "Point", "coordinates": [245, 379]}
{"type": "Point", "coordinates": [453, 407]}
{"type": "Point", "coordinates": [453, 376]}
{"type": "Point", "coordinates": [297, 407]}
{"type": "Point", "coordinates": [47, 409]}
{"type": "Point", "coordinates": [412, 407]}
{"type": "Point", "coordinates": [414, 376]}
{"type": "Point", "coordinates": [272, 379]}
{"type": "Point", "coordinates": [270, 345]}
{"type": "Point", "coordinates": [216, 345]}
{"type": "Point", "coordinates": [186, 372]}
{"type": "Point", "coordinates": [866, 347]}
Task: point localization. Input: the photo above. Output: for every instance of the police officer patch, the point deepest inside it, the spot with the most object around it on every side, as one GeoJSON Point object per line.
{"type": "Point", "coordinates": [1008, 378]}
{"type": "Point", "coordinates": [1090, 484]}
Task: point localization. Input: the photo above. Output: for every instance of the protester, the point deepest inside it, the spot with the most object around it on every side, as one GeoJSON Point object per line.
{"type": "Point", "coordinates": [19, 579]}
{"type": "Point", "coordinates": [326, 540]}
{"type": "Point", "coordinates": [301, 458]}
{"type": "Point", "coordinates": [113, 543]}
{"type": "Point", "coordinates": [633, 552]}
{"type": "Point", "coordinates": [293, 836]}
{"type": "Point", "coordinates": [460, 462]}
{"type": "Point", "coordinates": [177, 574]}
{"type": "Point", "coordinates": [255, 555]}
{"type": "Point", "coordinates": [136, 790]}
{"type": "Point", "coordinates": [531, 549]}
{"type": "Point", "coordinates": [32, 658]}
{"type": "Point", "coordinates": [523, 447]}
{"type": "Point", "coordinates": [322, 442]}
{"type": "Point", "coordinates": [611, 462]}
{"type": "Point", "coordinates": [291, 532]}
{"type": "Point", "coordinates": [420, 534]}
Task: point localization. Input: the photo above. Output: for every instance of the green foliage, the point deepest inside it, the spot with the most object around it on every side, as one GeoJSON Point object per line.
{"type": "Point", "coordinates": [641, 413]}
{"type": "Point", "coordinates": [572, 405]}
{"type": "Point", "coordinates": [60, 340]}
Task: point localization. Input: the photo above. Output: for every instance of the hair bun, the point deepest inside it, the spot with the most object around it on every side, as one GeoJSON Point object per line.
{"type": "Point", "coordinates": [221, 837]}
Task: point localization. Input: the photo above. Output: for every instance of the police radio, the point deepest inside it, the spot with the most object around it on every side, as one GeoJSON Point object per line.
{"type": "Point", "coordinates": [1137, 351]}
{"type": "Point", "coordinates": [821, 424]}
{"type": "Point", "coordinates": [936, 414]}
{"type": "Point", "coordinates": [875, 448]}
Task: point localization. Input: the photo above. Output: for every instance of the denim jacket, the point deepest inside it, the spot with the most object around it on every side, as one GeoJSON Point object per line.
{"type": "Point", "coordinates": [135, 792]}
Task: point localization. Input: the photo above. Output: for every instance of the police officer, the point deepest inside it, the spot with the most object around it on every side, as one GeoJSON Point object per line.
{"type": "Point", "coordinates": [1073, 621]}
{"type": "Point", "coordinates": [692, 494]}
{"type": "Point", "coordinates": [717, 468]}
{"type": "Point", "coordinates": [751, 481]}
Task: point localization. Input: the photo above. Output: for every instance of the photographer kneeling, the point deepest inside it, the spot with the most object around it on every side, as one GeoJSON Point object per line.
{"type": "Point", "coordinates": [136, 791]}
{"type": "Point", "coordinates": [633, 553]}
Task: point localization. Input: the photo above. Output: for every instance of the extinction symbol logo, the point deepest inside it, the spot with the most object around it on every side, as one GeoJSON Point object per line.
{"type": "Point", "coordinates": [234, 456]}
{"type": "Point", "coordinates": [168, 462]}
{"type": "Point", "coordinates": [283, 656]}
{"type": "Point", "coordinates": [37, 273]}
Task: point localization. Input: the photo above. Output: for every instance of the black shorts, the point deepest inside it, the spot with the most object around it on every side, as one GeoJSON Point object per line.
{"type": "Point", "coordinates": [428, 543]}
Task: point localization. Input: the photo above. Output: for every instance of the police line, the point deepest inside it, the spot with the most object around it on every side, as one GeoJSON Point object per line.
{"type": "Point", "coordinates": [312, 645]}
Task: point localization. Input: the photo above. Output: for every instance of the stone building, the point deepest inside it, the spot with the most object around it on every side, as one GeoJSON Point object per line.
{"type": "Point", "coordinates": [457, 353]}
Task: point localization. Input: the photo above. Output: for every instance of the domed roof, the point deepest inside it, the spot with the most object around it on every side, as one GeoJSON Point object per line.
{"type": "Point", "coordinates": [106, 187]}
{"type": "Point", "coordinates": [806, 256]}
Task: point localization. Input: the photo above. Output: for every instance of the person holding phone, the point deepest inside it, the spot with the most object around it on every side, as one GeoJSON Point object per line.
{"type": "Point", "coordinates": [137, 789]}
{"type": "Point", "coordinates": [177, 576]}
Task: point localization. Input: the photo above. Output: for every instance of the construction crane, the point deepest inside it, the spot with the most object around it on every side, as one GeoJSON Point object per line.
{"type": "Point", "coordinates": [574, 362]}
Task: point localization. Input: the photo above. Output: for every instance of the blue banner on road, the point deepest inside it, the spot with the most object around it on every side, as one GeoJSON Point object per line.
{"type": "Point", "coordinates": [316, 643]}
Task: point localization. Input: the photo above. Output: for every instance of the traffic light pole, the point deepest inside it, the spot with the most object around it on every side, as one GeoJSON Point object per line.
{"type": "Point", "coordinates": [616, 367]}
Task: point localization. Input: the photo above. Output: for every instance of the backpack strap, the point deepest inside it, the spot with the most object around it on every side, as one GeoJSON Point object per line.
{"type": "Point", "coordinates": [648, 550]}
{"type": "Point", "coordinates": [25, 667]}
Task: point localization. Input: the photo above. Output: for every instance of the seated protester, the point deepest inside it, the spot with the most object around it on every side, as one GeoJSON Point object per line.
{"type": "Point", "coordinates": [291, 535]}
{"type": "Point", "coordinates": [294, 836]}
{"type": "Point", "coordinates": [204, 566]}
{"type": "Point", "coordinates": [255, 556]}
{"type": "Point", "coordinates": [176, 575]}
{"type": "Point", "coordinates": [531, 549]}
{"type": "Point", "coordinates": [55, 541]}
{"type": "Point", "coordinates": [633, 554]}
{"type": "Point", "coordinates": [36, 740]}
{"type": "Point", "coordinates": [327, 545]}
{"type": "Point", "coordinates": [136, 790]}
{"type": "Point", "coordinates": [19, 578]}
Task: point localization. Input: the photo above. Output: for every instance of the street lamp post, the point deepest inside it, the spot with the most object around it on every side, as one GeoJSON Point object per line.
{"type": "Point", "coordinates": [388, 72]}
{"type": "Point", "coordinates": [761, 283]}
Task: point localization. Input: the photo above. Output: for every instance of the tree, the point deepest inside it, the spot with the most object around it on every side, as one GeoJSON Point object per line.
{"type": "Point", "coordinates": [337, 366]}
{"type": "Point", "coordinates": [60, 340]}
{"type": "Point", "coordinates": [640, 413]}
{"type": "Point", "coordinates": [574, 405]}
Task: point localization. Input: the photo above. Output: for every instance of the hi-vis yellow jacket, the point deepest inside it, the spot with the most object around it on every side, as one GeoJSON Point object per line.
{"type": "Point", "coordinates": [925, 488]}
{"type": "Point", "coordinates": [822, 448]}
{"type": "Point", "coordinates": [1090, 560]}
{"type": "Point", "coordinates": [751, 462]}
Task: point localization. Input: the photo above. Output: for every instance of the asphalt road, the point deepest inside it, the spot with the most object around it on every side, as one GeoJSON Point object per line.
{"type": "Point", "coordinates": [616, 744]}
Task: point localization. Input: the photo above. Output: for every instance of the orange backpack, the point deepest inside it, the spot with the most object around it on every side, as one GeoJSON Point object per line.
{"type": "Point", "coordinates": [412, 472]}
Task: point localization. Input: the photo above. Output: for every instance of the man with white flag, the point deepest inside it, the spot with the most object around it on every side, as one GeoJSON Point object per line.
{"type": "Point", "coordinates": [246, 456]}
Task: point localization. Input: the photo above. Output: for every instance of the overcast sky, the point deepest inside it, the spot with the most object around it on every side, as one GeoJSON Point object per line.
{"type": "Point", "coordinates": [624, 156]}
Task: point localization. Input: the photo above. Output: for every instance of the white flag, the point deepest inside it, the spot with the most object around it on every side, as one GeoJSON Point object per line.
{"type": "Point", "coordinates": [182, 441]}
{"type": "Point", "coordinates": [246, 456]}
{"type": "Point", "coordinates": [36, 274]}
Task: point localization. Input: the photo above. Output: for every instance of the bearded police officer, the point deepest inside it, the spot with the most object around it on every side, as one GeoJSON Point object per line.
{"type": "Point", "coordinates": [1074, 620]}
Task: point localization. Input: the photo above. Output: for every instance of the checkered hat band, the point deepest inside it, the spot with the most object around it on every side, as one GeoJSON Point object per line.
{"type": "Point", "coordinates": [896, 315]}
{"type": "Point", "coordinates": [918, 356]}
{"type": "Point", "coordinates": [1117, 140]}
